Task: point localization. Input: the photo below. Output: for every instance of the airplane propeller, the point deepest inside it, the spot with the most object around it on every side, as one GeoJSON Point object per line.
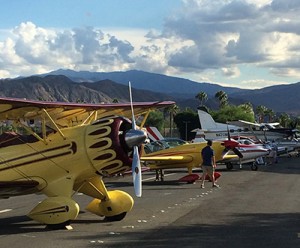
{"type": "Point", "coordinates": [231, 145]}
{"type": "Point", "coordinates": [133, 139]}
{"type": "Point", "coordinates": [237, 152]}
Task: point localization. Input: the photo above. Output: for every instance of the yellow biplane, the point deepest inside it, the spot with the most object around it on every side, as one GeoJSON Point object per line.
{"type": "Point", "coordinates": [160, 155]}
{"type": "Point", "coordinates": [64, 148]}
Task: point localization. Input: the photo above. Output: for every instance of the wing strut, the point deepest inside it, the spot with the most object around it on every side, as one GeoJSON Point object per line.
{"type": "Point", "coordinates": [92, 115]}
{"type": "Point", "coordinates": [145, 118]}
{"type": "Point", "coordinates": [54, 124]}
{"type": "Point", "coordinates": [29, 130]}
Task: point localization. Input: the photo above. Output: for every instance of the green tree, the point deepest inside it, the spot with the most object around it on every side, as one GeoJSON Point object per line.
{"type": "Point", "coordinates": [270, 114]}
{"type": "Point", "coordinates": [186, 121]}
{"type": "Point", "coordinates": [222, 97]}
{"type": "Point", "coordinates": [202, 97]}
{"type": "Point", "coordinates": [260, 111]}
{"type": "Point", "coordinates": [233, 113]}
{"type": "Point", "coordinates": [115, 100]}
{"type": "Point", "coordinates": [284, 120]}
{"type": "Point", "coordinates": [247, 107]}
{"type": "Point", "coordinates": [171, 111]}
{"type": "Point", "coordinates": [155, 119]}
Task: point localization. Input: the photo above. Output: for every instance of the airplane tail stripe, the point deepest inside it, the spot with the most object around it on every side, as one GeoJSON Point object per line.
{"type": "Point", "coordinates": [154, 135]}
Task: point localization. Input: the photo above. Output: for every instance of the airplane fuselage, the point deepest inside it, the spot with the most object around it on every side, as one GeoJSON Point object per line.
{"type": "Point", "coordinates": [79, 155]}
{"type": "Point", "coordinates": [191, 154]}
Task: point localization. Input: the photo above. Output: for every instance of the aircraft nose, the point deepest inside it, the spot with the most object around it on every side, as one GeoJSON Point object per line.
{"type": "Point", "coordinates": [135, 137]}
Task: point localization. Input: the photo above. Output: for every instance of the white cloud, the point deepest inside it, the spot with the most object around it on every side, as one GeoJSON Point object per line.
{"type": "Point", "coordinates": [34, 50]}
{"type": "Point", "coordinates": [202, 39]}
{"type": "Point", "coordinates": [255, 83]}
{"type": "Point", "coordinates": [232, 72]}
{"type": "Point", "coordinates": [231, 33]}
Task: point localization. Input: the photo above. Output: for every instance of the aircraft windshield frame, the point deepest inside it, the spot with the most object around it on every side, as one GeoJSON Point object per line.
{"type": "Point", "coordinates": [163, 144]}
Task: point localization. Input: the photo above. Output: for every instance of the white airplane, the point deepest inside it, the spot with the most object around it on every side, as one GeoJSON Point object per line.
{"type": "Point", "coordinates": [214, 130]}
{"type": "Point", "coordinates": [154, 134]}
{"type": "Point", "coordinates": [251, 153]}
{"type": "Point", "coordinates": [290, 145]}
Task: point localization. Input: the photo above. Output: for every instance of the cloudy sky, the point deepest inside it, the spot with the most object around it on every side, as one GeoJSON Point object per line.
{"type": "Point", "coordinates": [240, 43]}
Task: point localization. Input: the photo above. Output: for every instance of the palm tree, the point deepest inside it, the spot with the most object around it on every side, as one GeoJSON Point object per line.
{"type": "Point", "coordinates": [202, 97]}
{"type": "Point", "coordinates": [247, 107]}
{"type": "Point", "coordinates": [261, 111]}
{"type": "Point", "coordinates": [284, 119]}
{"type": "Point", "coordinates": [271, 114]}
{"type": "Point", "coordinates": [222, 97]}
{"type": "Point", "coordinates": [172, 110]}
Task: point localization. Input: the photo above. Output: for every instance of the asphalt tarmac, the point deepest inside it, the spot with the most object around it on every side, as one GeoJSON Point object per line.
{"type": "Point", "coordinates": [251, 209]}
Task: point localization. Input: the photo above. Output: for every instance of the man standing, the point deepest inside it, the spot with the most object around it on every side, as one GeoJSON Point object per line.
{"type": "Point", "coordinates": [208, 164]}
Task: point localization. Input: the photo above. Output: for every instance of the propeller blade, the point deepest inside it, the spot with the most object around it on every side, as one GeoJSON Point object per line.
{"type": "Point", "coordinates": [225, 151]}
{"type": "Point", "coordinates": [131, 105]}
{"type": "Point", "coordinates": [228, 133]}
{"type": "Point", "coordinates": [136, 172]}
{"type": "Point", "coordinates": [232, 145]}
{"type": "Point", "coordinates": [137, 137]}
{"type": "Point", "coordinates": [237, 152]}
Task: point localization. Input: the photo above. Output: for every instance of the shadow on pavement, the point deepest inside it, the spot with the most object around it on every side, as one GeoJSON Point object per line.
{"type": "Point", "coordinates": [249, 230]}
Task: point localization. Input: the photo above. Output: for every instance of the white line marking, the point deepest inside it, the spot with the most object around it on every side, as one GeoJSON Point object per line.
{"type": "Point", "coordinates": [152, 178]}
{"type": "Point", "coordinates": [5, 210]}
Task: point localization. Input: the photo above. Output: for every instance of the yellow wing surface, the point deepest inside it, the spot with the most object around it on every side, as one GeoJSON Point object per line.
{"type": "Point", "coordinates": [57, 115]}
{"type": "Point", "coordinates": [71, 114]}
{"type": "Point", "coordinates": [183, 156]}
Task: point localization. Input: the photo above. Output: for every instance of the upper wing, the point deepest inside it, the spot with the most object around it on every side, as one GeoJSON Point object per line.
{"type": "Point", "coordinates": [71, 114]}
{"type": "Point", "coordinates": [242, 123]}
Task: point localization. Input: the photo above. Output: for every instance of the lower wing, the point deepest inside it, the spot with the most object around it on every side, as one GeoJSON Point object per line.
{"type": "Point", "coordinates": [14, 188]}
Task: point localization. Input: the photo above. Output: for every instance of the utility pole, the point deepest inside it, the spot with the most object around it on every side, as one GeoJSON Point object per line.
{"type": "Point", "coordinates": [186, 124]}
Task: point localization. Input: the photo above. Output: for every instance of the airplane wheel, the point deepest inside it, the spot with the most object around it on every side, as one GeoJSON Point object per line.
{"type": "Point", "coordinates": [254, 167]}
{"type": "Point", "coordinates": [190, 182]}
{"type": "Point", "coordinates": [118, 217]}
{"type": "Point", "coordinates": [58, 226]}
{"type": "Point", "coordinates": [229, 166]}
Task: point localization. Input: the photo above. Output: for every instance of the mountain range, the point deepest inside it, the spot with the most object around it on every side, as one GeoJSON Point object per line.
{"type": "Point", "coordinates": [95, 87]}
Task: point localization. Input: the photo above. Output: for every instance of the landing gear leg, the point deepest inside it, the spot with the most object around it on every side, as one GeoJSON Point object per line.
{"type": "Point", "coordinates": [162, 175]}
{"type": "Point", "coordinates": [159, 175]}
{"type": "Point", "coordinates": [156, 175]}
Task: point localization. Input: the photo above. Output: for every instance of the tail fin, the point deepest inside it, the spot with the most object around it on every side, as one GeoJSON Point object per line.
{"type": "Point", "coordinates": [154, 134]}
{"type": "Point", "coordinates": [206, 120]}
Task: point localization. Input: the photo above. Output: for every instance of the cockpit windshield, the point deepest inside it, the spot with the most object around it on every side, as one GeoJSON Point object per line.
{"type": "Point", "coordinates": [163, 144]}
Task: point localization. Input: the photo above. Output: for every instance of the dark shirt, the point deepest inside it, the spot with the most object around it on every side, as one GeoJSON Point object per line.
{"type": "Point", "coordinates": [207, 155]}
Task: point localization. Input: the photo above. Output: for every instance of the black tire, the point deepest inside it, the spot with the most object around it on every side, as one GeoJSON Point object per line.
{"type": "Point", "coordinates": [117, 217]}
{"type": "Point", "coordinates": [254, 167]}
{"type": "Point", "coordinates": [58, 226]}
{"type": "Point", "coordinates": [229, 166]}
